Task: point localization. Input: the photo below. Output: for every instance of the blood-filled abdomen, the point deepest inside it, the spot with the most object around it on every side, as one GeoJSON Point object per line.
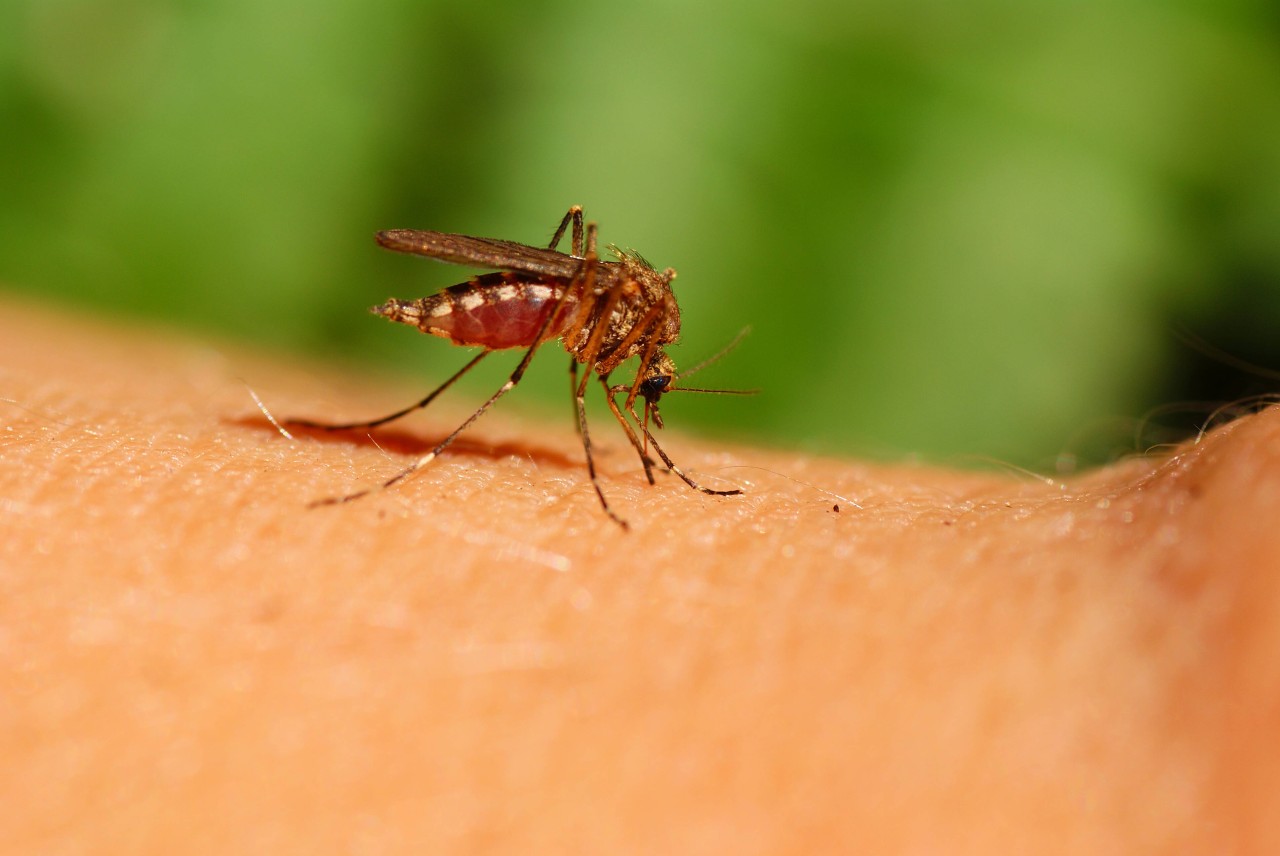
{"type": "Point", "coordinates": [495, 311]}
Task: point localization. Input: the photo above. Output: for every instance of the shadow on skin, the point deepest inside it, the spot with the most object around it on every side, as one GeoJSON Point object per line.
{"type": "Point", "coordinates": [401, 442]}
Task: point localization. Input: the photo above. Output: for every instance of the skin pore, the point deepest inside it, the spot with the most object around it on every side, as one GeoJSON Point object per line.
{"type": "Point", "coordinates": [191, 660]}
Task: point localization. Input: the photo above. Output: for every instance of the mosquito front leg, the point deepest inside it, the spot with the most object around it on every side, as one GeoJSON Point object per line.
{"type": "Point", "coordinates": [671, 465]}
{"type": "Point", "coordinates": [346, 426]}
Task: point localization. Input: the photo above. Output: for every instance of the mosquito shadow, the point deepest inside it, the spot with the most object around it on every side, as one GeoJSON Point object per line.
{"type": "Point", "coordinates": [401, 442]}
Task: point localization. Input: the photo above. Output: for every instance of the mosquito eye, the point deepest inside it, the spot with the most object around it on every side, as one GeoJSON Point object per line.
{"type": "Point", "coordinates": [653, 388]}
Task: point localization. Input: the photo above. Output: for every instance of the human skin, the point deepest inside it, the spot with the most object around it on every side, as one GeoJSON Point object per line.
{"type": "Point", "coordinates": [479, 660]}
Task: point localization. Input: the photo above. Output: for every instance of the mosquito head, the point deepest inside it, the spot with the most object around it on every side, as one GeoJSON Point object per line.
{"type": "Point", "coordinates": [658, 377]}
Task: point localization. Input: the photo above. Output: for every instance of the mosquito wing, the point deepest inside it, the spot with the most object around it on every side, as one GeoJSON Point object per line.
{"type": "Point", "coordinates": [480, 252]}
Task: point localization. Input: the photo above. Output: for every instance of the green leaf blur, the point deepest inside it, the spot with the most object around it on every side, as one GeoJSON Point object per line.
{"type": "Point", "coordinates": [956, 229]}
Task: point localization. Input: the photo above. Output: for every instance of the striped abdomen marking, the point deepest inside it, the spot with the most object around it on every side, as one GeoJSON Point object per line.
{"type": "Point", "coordinates": [494, 311]}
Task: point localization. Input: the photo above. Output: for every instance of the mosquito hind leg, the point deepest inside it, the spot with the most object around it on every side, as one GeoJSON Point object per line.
{"type": "Point", "coordinates": [574, 215]}
{"type": "Point", "coordinates": [443, 444]}
{"type": "Point", "coordinates": [374, 423]}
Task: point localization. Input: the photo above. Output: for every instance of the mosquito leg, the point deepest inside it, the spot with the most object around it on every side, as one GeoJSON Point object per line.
{"type": "Point", "coordinates": [588, 299]}
{"type": "Point", "coordinates": [681, 473]}
{"type": "Point", "coordinates": [590, 304]}
{"type": "Point", "coordinates": [648, 324]}
{"type": "Point", "coordinates": [344, 426]}
{"type": "Point", "coordinates": [573, 387]}
{"type": "Point", "coordinates": [581, 288]}
{"type": "Point", "coordinates": [626, 426]}
{"type": "Point", "coordinates": [575, 246]}
{"type": "Point", "coordinates": [575, 215]}
{"type": "Point", "coordinates": [607, 362]}
{"type": "Point", "coordinates": [613, 405]}
{"type": "Point", "coordinates": [631, 435]}
{"type": "Point", "coordinates": [580, 405]}
{"type": "Point", "coordinates": [443, 444]}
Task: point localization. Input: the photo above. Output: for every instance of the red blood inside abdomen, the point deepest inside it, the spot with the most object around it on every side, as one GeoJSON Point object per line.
{"type": "Point", "coordinates": [497, 323]}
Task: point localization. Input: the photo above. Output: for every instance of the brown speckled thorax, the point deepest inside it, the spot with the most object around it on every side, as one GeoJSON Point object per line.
{"type": "Point", "coordinates": [604, 312]}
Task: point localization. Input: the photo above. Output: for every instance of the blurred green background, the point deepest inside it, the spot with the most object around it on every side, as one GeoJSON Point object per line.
{"type": "Point", "coordinates": [957, 229]}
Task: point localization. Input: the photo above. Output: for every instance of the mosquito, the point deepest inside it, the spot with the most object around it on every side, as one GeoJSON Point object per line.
{"type": "Point", "coordinates": [604, 313]}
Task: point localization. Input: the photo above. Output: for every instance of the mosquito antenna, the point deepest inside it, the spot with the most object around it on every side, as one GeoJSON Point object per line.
{"type": "Point", "coordinates": [713, 391]}
{"type": "Point", "coordinates": [626, 387]}
{"type": "Point", "coordinates": [723, 352]}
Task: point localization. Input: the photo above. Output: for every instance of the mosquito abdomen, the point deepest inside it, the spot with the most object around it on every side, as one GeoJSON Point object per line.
{"type": "Point", "coordinates": [494, 311]}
